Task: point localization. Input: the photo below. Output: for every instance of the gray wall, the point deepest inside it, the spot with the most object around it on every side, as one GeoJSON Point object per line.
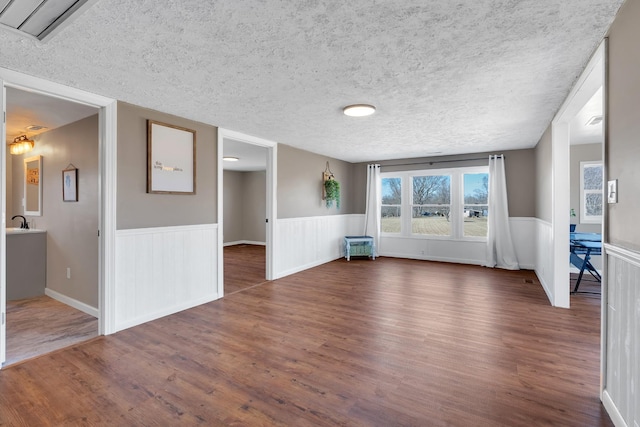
{"type": "Point", "coordinates": [232, 205]}
{"type": "Point", "coordinates": [300, 184]}
{"type": "Point", "coordinates": [255, 206]}
{"type": "Point", "coordinates": [245, 206]}
{"type": "Point", "coordinates": [72, 227]}
{"type": "Point", "coordinates": [136, 208]}
{"type": "Point", "coordinates": [519, 169]}
{"type": "Point", "coordinates": [543, 177]}
{"type": "Point", "coordinates": [623, 130]}
{"type": "Point", "coordinates": [581, 153]}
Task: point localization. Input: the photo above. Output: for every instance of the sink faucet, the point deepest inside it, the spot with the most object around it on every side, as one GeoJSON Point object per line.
{"type": "Point", "coordinates": [24, 223]}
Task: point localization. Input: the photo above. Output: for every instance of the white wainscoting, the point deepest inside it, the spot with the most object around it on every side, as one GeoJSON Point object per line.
{"type": "Point", "coordinates": [303, 243]}
{"type": "Point", "coordinates": [622, 378]}
{"type": "Point", "coordinates": [163, 270]}
{"type": "Point", "coordinates": [543, 241]}
{"type": "Point", "coordinates": [463, 251]}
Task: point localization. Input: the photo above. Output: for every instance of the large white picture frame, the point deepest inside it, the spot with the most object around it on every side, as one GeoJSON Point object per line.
{"type": "Point", "coordinates": [171, 159]}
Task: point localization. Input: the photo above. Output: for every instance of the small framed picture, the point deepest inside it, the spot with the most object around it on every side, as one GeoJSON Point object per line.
{"type": "Point", "coordinates": [70, 185]}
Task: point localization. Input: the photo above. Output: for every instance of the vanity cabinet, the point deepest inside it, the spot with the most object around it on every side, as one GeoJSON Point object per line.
{"type": "Point", "coordinates": [26, 264]}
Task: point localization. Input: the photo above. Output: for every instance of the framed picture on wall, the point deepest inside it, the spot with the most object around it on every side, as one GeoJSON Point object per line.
{"type": "Point", "coordinates": [171, 159]}
{"type": "Point", "coordinates": [70, 184]}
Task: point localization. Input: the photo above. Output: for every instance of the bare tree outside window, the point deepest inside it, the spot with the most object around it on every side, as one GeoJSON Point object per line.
{"type": "Point", "coordinates": [431, 205]}
{"type": "Point", "coordinates": [476, 209]}
{"type": "Point", "coordinates": [391, 211]}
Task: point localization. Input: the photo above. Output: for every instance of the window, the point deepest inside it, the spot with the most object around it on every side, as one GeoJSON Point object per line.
{"type": "Point", "coordinates": [431, 205]}
{"type": "Point", "coordinates": [391, 205]}
{"type": "Point", "coordinates": [476, 208]}
{"type": "Point", "coordinates": [591, 192]}
{"type": "Point", "coordinates": [444, 203]}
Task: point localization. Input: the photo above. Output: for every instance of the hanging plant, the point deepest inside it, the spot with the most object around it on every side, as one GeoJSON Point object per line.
{"type": "Point", "coordinates": [332, 192]}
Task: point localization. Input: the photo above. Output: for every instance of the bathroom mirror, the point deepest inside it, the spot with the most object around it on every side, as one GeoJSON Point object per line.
{"type": "Point", "coordinates": [33, 186]}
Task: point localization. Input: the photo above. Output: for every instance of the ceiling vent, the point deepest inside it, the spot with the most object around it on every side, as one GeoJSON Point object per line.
{"type": "Point", "coordinates": [41, 19]}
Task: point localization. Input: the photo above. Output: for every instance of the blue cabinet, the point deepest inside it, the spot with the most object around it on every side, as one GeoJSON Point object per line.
{"type": "Point", "coordinates": [359, 246]}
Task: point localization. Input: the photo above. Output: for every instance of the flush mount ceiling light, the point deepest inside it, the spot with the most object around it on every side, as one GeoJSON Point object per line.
{"type": "Point", "coordinates": [21, 145]}
{"type": "Point", "coordinates": [359, 110]}
{"type": "Point", "coordinates": [230, 159]}
{"type": "Point", "coordinates": [34, 128]}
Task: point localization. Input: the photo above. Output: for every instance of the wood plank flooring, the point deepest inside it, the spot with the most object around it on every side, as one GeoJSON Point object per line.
{"type": "Point", "coordinates": [390, 342]}
{"type": "Point", "coordinates": [244, 266]}
{"type": "Point", "coordinates": [40, 325]}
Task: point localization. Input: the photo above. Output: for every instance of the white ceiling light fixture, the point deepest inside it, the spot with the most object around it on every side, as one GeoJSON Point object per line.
{"type": "Point", "coordinates": [359, 110]}
{"type": "Point", "coordinates": [230, 159]}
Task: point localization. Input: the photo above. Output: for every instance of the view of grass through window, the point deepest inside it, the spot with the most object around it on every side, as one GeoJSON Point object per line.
{"type": "Point", "coordinates": [430, 201]}
{"type": "Point", "coordinates": [391, 205]}
{"type": "Point", "coordinates": [431, 205]}
{"type": "Point", "coordinates": [476, 208]}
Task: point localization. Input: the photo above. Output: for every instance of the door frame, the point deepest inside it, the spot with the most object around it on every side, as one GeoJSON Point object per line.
{"type": "Point", "coordinates": [107, 183]}
{"type": "Point", "coordinates": [593, 77]}
{"type": "Point", "coordinates": [271, 201]}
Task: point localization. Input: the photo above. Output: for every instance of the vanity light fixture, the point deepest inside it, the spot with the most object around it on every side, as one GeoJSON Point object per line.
{"type": "Point", "coordinates": [230, 159]}
{"type": "Point", "coordinates": [359, 110]}
{"type": "Point", "coordinates": [21, 145]}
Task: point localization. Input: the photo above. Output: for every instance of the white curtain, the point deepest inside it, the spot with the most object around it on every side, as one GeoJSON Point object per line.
{"type": "Point", "coordinates": [373, 206]}
{"type": "Point", "coordinates": [500, 251]}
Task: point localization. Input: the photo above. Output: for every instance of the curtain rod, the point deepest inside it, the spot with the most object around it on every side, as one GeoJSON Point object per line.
{"type": "Point", "coordinates": [444, 161]}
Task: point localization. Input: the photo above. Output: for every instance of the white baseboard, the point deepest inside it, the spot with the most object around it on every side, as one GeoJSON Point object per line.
{"type": "Point", "coordinates": [165, 312]}
{"type": "Point", "coordinates": [432, 258]}
{"type": "Point", "coordinates": [300, 268]}
{"type": "Point", "coordinates": [85, 308]}
{"type": "Point", "coordinates": [612, 410]}
{"type": "Point", "coordinates": [544, 284]}
{"type": "Point", "coordinates": [245, 242]}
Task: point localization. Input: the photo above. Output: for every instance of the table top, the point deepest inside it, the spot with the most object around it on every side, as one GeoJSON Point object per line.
{"type": "Point", "coordinates": [358, 237]}
{"type": "Point", "coordinates": [588, 244]}
{"type": "Point", "coordinates": [585, 237]}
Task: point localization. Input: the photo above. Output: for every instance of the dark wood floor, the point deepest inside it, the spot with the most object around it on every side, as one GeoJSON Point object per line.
{"type": "Point", "coordinates": [388, 342]}
{"type": "Point", "coordinates": [41, 324]}
{"type": "Point", "coordinates": [244, 266]}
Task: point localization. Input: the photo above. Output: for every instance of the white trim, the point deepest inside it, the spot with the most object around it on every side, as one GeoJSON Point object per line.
{"type": "Point", "coordinates": [3, 224]}
{"type": "Point", "coordinates": [108, 199]}
{"type": "Point", "coordinates": [626, 255]}
{"type": "Point", "coordinates": [78, 305]}
{"type": "Point", "coordinates": [169, 229]}
{"type": "Point", "coordinates": [612, 410]}
{"type": "Point", "coordinates": [591, 79]}
{"type": "Point", "coordinates": [148, 317]}
{"type": "Point", "coordinates": [245, 242]}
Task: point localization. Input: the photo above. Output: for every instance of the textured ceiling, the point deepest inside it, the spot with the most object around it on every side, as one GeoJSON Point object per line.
{"type": "Point", "coordinates": [447, 77]}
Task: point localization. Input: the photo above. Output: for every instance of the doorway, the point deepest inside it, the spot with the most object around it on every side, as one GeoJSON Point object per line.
{"type": "Point", "coordinates": [246, 208]}
{"type": "Point", "coordinates": [106, 198]}
{"type": "Point", "coordinates": [52, 247]}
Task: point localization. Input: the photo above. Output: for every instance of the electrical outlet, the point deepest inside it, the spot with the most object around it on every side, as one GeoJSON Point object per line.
{"type": "Point", "coordinates": [68, 272]}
